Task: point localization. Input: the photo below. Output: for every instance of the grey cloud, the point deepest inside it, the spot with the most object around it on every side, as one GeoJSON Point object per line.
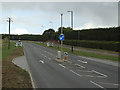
{"type": "Point", "coordinates": [99, 13]}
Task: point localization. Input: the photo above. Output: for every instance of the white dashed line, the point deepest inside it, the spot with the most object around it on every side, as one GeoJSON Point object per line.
{"type": "Point", "coordinates": [97, 84]}
{"type": "Point", "coordinates": [82, 61]}
{"type": "Point", "coordinates": [41, 61]}
{"type": "Point", "coordinates": [99, 73]}
{"type": "Point", "coordinates": [62, 66]}
{"type": "Point", "coordinates": [75, 73]}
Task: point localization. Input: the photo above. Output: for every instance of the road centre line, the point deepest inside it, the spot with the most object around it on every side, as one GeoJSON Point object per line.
{"type": "Point", "coordinates": [62, 66]}
{"type": "Point", "coordinates": [97, 85]}
{"type": "Point", "coordinates": [100, 73]}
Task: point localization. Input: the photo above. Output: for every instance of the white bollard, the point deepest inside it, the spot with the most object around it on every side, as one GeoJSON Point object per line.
{"type": "Point", "coordinates": [59, 55]}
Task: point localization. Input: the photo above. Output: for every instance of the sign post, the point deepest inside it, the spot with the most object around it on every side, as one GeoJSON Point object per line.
{"type": "Point", "coordinates": [61, 37]}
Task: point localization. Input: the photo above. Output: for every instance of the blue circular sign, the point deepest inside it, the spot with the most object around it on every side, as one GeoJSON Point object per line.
{"type": "Point", "coordinates": [61, 37]}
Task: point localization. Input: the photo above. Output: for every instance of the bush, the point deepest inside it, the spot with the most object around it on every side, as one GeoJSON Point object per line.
{"type": "Point", "coordinates": [106, 45]}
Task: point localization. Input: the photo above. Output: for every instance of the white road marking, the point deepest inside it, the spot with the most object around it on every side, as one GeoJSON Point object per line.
{"type": "Point", "coordinates": [62, 66]}
{"type": "Point", "coordinates": [84, 71]}
{"type": "Point", "coordinates": [41, 61]}
{"type": "Point", "coordinates": [75, 73]}
{"type": "Point", "coordinates": [109, 83]}
{"type": "Point", "coordinates": [80, 65]}
{"type": "Point", "coordinates": [82, 61]}
{"type": "Point", "coordinates": [45, 56]}
{"type": "Point", "coordinates": [97, 84]}
{"type": "Point", "coordinates": [92, 76]}
{"type": "Point", "coordinates": [99, 73]}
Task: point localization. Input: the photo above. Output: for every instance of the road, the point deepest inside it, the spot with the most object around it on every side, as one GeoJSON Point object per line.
{"type": "Point", "coordinates": [81, 73]}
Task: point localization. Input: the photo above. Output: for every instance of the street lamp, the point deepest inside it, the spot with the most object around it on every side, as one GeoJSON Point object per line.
{"type": "Point", "coordinates": [72, 28]}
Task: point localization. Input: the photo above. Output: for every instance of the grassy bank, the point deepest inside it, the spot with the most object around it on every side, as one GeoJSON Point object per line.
{"type": "Point", "coordinates": [12, 75]}
{"type": "Point", "coordinates": [83, 53]}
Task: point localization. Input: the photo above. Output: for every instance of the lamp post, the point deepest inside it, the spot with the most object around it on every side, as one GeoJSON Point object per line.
{"type": "Point", "coordinates": [61, 33]}
{"type": "Point", "coordinates": [72, 28]}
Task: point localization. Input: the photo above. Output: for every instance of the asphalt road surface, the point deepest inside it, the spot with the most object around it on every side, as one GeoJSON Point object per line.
{"type": "Point", "coordinates": [81, 73]}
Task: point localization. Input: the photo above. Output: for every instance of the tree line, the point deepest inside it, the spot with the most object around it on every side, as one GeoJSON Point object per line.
{"type": "Point", "coordinates": [99, 34]}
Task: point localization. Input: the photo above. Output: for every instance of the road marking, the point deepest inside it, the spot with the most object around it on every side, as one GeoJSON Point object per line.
{"type": "Point", "coordinates": [80, 65]}
{"type": "Point", "coordinates": [45, 56]}
{"type": "Point", "coordinates": [75, 73]}
{"type": "Point", "coordinates": [109, 83]}
{"type": "Point", "coordinates": [41, 61]}
{"type": "Point", "coordinates": [84, 71]}
{"type": "Point", "coordinates": [99, 73]}
{"type": "Point", "coordinates": [62, 66]}
{"type": "Point", "coordinates": [82, 61]}
{"type": "Point", "coordinates": [49, 58]}
{"type": "Point", "coordinates": [97, 84]}
{"type": "Point", "coordinates": [92, 76]}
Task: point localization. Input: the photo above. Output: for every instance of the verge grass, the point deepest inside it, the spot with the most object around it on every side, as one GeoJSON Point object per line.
{"type": "Point", "coordinates": [84, 53]}
{"type": "Point", "coordinates": [12, 75]}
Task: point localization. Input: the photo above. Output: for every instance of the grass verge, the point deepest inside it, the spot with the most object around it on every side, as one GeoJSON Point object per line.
{"type": "Point", "coordinates": [83, 53]}
{"type": "Point", "coordinates": [12, 75]}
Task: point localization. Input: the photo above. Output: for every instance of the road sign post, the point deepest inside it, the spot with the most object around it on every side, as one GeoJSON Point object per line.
{"type": "Point", "coordinates": [61, 37]}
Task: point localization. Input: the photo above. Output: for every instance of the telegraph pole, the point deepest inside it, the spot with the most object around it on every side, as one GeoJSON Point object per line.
{"type": "Point", "coordinates": [9, 21]}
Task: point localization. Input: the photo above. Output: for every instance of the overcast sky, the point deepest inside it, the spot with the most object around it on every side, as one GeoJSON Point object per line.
{"type": "Point", "coordinates": [35, 17]}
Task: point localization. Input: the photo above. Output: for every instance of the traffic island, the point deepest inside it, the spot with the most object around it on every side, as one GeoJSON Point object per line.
{"type": "Point", "coordinates": [62, 61]}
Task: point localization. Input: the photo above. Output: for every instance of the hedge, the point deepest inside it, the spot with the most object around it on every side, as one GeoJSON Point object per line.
{"type": "Point", "coordinates": [106, 45]}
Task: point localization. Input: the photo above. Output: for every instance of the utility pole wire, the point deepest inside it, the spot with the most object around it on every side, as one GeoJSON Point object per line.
{"type": "Point", "coordinates": [9, 21]}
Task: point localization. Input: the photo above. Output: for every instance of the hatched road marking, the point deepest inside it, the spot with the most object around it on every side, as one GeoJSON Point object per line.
{"type": "Point", "coordinates": [62, 66]}
{"type": "Point", "coordinates": [41, 61]}
{"type": "Point", "coordinates": [97, 85]}
{"type": "Point", "coordinates": [100, 73]}
{"type": "Point", "coordinates": [82, 61]}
